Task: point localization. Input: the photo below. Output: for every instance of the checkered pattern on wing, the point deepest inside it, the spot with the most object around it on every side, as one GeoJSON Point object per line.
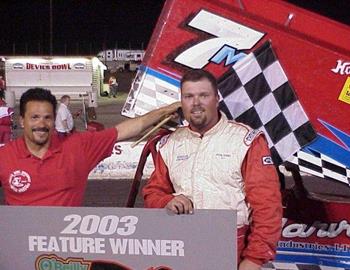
{"type": "Point", "coordinates": [321, 165]}
{"type": "Point", "coordinates": [257, 92]}
{"type": "Point", "coordinates": [150, 92]}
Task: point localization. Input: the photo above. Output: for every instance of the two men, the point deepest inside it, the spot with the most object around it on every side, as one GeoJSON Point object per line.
{"type": "Point", "coordinates": [215, 163]}
{"type": "Point", "coordinates": [41, 169]}
{"type": "Point", "coordinates": [212, 164]}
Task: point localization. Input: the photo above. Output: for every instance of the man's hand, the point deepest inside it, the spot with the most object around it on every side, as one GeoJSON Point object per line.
{"type": "Point", "coordinates": [173, 109]}
{"type": "Point", "coordinates": [180, 204]}
{"type": "Point", "coordinates": [133, 127]}
{"type": "Point", "coordinates": [248, 265]}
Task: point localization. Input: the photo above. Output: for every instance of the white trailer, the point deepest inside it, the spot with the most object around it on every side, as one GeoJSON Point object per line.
{"type": "Point", "coordinates": [73, 76]}
{"type": "Point", "coordinates": [121, 59]}
{"type": "Point", "coordinates": [129, 55]}
{"type": "Point", "coordinates": [121, 55]}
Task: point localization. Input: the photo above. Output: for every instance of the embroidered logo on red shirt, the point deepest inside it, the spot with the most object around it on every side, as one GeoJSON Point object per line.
{"type": "Point", "coordinates": [19, 181]}
{"type": "Point", "coordinates": [267, 160]}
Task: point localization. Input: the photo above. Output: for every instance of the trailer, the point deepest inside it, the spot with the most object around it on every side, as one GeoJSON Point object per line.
{"type": "Point", "coordinates": [121, 59]}
{"type": "Point", "coordinates": [73, 76]}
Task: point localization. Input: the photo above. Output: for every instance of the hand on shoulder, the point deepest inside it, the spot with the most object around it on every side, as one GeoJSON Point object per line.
{"type": "Point", "coordinates": [172, 108]}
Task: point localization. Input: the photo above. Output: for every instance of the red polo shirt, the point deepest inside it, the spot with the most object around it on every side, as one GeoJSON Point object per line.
{"type": "Point", "coordinates": [59, 178]}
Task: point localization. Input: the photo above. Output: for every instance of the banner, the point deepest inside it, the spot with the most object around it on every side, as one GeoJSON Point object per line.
{"type": "Point", "coordinates": [78, 238]}
{"type": "Point", "coordinates": [122, 163]}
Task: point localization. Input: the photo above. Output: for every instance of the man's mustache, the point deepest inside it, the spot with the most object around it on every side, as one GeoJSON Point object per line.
{"type": "Point", "coordinates": [43, 129]}
{"type": "Point", "coordinates": [196, 109]}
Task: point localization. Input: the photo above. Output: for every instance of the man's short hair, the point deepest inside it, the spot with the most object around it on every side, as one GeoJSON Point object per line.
{"type": "Point", "coordinates": [36, 94]}
{"type": "Point", "coordinates": [64, 98]}
{"type": "Point", "coordinates": [195, 75]}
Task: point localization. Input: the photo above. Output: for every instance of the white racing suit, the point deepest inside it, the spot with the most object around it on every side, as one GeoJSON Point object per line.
{"type": "Point", "coordinates": [229, 167]}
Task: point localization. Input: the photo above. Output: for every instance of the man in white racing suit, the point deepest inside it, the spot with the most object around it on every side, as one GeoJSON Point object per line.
{"type": "Point", "coordinates": [215, 163]}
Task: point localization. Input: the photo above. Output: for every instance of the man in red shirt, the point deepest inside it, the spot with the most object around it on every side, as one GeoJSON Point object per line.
{"type": "Point", "coordinates": [41, 169]}
{"type": "Point", "coordinates": [215, 163]}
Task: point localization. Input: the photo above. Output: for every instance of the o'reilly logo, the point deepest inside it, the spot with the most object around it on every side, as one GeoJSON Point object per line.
{"type": "Point", "coordinates": [18, 66]}
{"type": "Point", "coordinates": [79, 66]}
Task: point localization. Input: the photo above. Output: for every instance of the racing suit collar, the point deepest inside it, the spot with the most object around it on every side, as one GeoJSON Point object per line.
{"type": "Point", "coordinates": [211, 131]}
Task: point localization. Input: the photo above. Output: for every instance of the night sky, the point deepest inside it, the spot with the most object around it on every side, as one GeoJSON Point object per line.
{"type": "Point", "coordinates": [88, 26]}
{"type": "Point", "coordinates": [79, 26]}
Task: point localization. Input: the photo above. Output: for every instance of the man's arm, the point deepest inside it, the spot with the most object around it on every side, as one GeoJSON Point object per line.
{"type": "Point", "coordinates": [133, 127]}
{"type": "Point", "coordinates": [158, 190]}
{"type": "Point", "coordinates": [263, 194]}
